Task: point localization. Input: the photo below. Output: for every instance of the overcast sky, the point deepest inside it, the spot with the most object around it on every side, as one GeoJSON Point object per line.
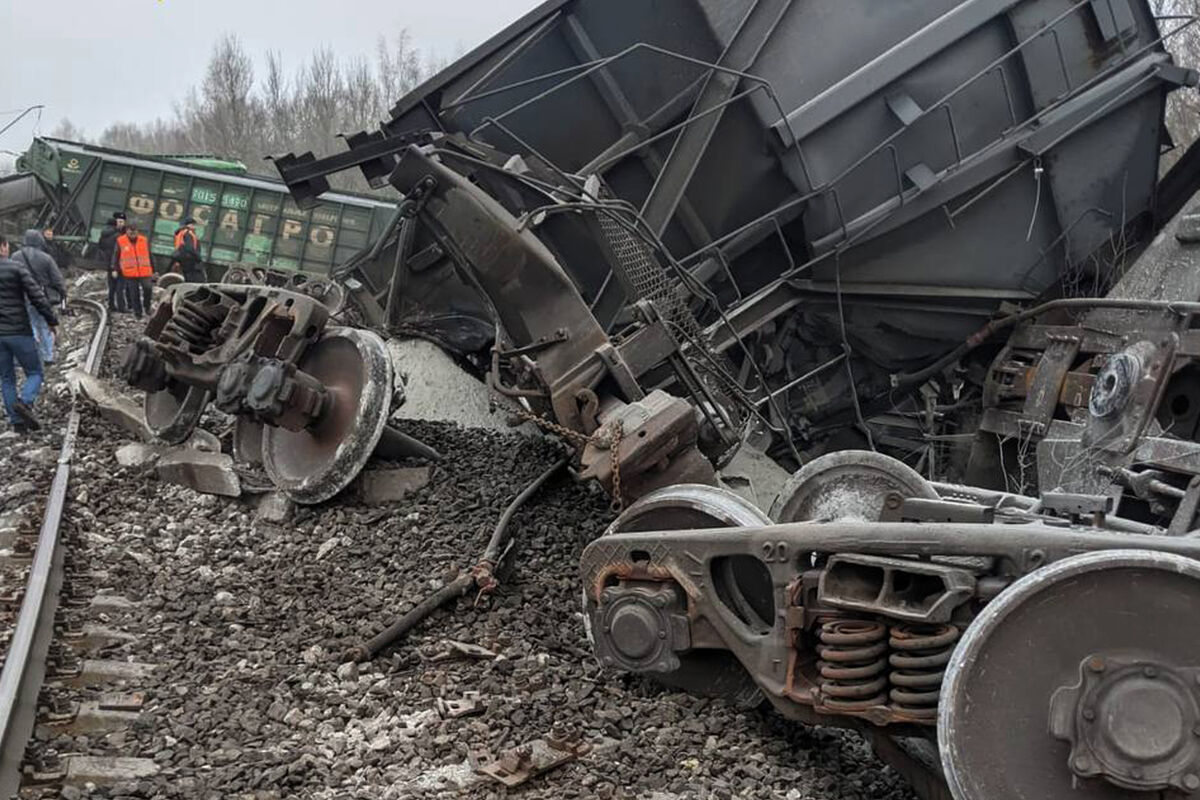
{"type": "Point", "coordinates": [100, 61]}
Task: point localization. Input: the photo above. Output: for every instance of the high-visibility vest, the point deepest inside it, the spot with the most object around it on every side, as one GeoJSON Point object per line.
{"type": "Point", "coordinates": [135, 257]}
{"type": "Point", "coordinates": [182, 235]}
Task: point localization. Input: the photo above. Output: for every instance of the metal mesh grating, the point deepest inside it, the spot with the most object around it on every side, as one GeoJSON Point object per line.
{"type": "Point", "coordinates": [645, 276]}
{"type": "Point", "coordinates": [641, 272]}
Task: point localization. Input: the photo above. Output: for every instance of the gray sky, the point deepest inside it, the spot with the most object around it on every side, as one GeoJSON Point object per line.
{"type": "Point", "coordinates": [102, 61]}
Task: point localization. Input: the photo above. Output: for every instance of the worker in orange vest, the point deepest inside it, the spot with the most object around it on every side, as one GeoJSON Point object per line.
{"type": "Point", "coordinates": [187, 259]}
{"type": "Point", "coordinates": [131, 262]}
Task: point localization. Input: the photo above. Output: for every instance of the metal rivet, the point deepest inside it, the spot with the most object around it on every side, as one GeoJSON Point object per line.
{"type": "Point", "coordinates": [1083, 763]}
{"type": "Point", "coordinates": [1136, 772]}
{"type": "Point", "coordinates": [1096, 664]}
{"type": "Point", "coordinates": [1150, 672]}
{"type": "Point", "coordinates": [662, 634]}
{"type": "Point", "coordinates": [1089, 714]}
{"type": "Point", "coordinates": [1191, 782]}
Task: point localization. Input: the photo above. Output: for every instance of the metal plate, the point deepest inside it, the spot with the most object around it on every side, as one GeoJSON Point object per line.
{"type": "Point", "coordinates": [851, 484]}
{"type": "Point", "coordinates": [313, 465]}
{"type": "Point", "coordinates": [248, 441]}
{"type": "Point", "coordinates": [708, 672]}
{"type": "Point", "coordinates": [173, 413]}
{"type": "Point", "coordinates": [1030, 642]}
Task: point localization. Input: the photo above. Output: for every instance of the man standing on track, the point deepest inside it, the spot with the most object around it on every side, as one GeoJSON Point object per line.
{"type": "Point", "coordinates": [131, 261]}
{"type": "Point", "coordinates": [36, 258]}
{"type": "Point", "coordinates": [17, 288]}
{"type": "Point", "coordinates": [104, 251]}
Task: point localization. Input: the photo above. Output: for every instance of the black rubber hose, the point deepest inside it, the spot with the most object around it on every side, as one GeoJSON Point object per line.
{"type": "Point", "coordinates": [481, 576]}
{"type": "Point", "coordinates": [492, 553]}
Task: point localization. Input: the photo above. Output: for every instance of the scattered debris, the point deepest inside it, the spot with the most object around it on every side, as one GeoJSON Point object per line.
{"type": "Point", "coordinates": [15, 490]}
{"type": "Point", "coordinates": [44, 456]}
{"type": "Point", "coordinates": [275, 508]}
{"type": "Point", "coordinates": [451, 650]}
{"type": "Point", "coordinates": [520, 764]}
{"type": "Point", "coordinates": [381, 486]}
{"type": "Point", "coordinates": [207, 473]}
{"type": "Point", "coordinates": [327, 547]}
{"type": "Point", "coordinates": [470, 705]}
{"type": "Point", "coordinates": [112, 405]}
{"type": "Point", "coordinates": [204, 441]}
{"type": "Point", "coordinates": [138, 454]}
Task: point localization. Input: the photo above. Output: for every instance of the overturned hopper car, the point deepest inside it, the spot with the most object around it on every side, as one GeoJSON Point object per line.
{"type": "Point", "coordinates": [840, 194]}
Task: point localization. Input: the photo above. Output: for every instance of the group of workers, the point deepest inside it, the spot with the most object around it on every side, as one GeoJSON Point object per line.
{"type": "Point", "coordinates": [32, 291]}
{"type": "Point", "coordinates": [126, 251]}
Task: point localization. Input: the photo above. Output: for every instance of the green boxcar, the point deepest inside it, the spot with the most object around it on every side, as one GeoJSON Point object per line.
{"type": "Point", "coordinates": [240, 219]}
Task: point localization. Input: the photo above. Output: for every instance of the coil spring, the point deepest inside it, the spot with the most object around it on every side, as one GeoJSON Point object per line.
{"type": "Point", "coordinates": [193, 324]}
{"type": "Point", "coordinates": [853, 664]}
{"type": "Point", "coordinates": [919, 658]}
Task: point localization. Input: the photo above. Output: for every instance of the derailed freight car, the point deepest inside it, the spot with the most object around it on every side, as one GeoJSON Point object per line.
{"type": "Point", "coordinates": [699, 223]}
{"type": "Point", "coordinates": [241, 219]}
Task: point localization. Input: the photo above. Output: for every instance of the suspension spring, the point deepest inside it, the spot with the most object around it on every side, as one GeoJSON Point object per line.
{"type": "Point", "coordinates": [853, 665]}
{"type": "Point", "coordinates": [193, 325]}
{"type": "Point", "coordinates": [919, 657]}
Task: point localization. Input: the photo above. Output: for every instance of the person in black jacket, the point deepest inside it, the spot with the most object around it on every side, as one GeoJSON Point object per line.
{"type": "Point", "coordinates": [104, 253]}
{"type": "Point", "coordinates": [17, 287]}
{"type": "Point", "coordinates": [35, 257]}
{"type": "Point", "coordinates": [61, 255]}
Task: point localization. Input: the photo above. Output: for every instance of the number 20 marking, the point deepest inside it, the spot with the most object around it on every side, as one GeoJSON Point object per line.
{"type": "Point", "coordinates": [775, 552]}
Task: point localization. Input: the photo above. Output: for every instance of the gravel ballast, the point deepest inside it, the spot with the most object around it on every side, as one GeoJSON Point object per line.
{"type": "Point", "coordinates": [246, 620]}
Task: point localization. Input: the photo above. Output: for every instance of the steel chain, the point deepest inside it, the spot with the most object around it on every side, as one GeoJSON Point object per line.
{"type": "Point", "coordinates": [612, 442]}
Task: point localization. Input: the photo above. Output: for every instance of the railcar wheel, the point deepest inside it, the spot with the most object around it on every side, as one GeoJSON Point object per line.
{"type": "Point", "coordinates": [173, 413]}
{"type": "Point", "coordinates": [168, 279]}
{"type": "Point", "coordinates": [1080, 680]}
{"type": "Point", "coordinates": [313, 465]}
{"type": "Point", "coordinates": [849, 484]}
{"type": "Point", "coordinates": [744, 582]}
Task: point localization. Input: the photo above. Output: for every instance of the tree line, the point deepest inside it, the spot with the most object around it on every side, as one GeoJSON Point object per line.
{"type": "Point", "coordinates": [238, 113]}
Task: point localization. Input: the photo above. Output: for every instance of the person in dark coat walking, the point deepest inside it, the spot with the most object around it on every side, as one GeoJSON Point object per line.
{"type": "Point", "coordinates": [18, 291]}
{"type": "Point", "coordinates": [34, 256]}
{"type": "Point", "coordinates": [104, 253]}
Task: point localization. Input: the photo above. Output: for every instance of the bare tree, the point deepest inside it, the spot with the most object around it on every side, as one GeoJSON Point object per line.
{"type": "Point", "coordinates": [278, 105]}
{"type": "Point", "coordinates": [362, 105]}
{"type": "Point", "coordinates": [65, 129]}
{"type": "Point", "coordinates": [319, 99]}
{"type": "Point", "coordinates": [1183, 41]}
{"type": "Point", "coordinates": [224, 115]}
{"type": "Point", "coordinates": [231, 114]}
{"type": "Point", "coordinates": [400, 66]}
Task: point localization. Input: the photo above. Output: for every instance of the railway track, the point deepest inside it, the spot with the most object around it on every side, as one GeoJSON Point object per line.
{"type": "Point", "coordinates": [33, 630]}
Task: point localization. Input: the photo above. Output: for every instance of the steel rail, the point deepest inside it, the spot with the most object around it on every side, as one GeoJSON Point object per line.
{"type": "Point", "coordinates": [25, 662]}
